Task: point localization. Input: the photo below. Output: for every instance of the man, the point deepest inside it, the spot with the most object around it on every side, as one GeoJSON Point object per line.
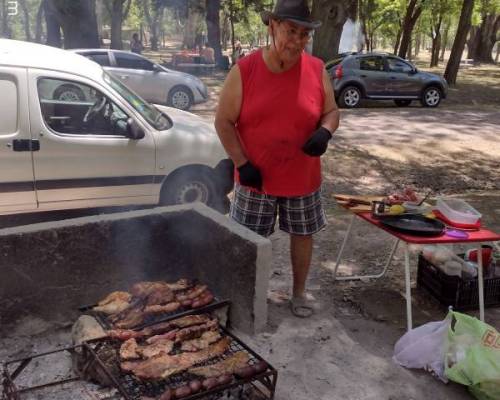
{"type": "Point", "coordinates": [136, 44]}
{"type": "Point", "coordinates": [275, 117]}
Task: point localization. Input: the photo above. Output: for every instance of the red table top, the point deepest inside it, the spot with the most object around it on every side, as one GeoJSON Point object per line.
{"type": "Point", "coordinates": [482, 235]}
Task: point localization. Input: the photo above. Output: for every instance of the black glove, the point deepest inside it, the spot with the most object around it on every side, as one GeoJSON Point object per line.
{"type": "Point", "coordinates": [250, 176]}
{"type": "Point", "coordinates": [317, 143]}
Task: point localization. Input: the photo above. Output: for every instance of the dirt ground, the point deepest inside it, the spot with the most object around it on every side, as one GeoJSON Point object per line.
{"type": "Point", "coordinates": [344, 351]}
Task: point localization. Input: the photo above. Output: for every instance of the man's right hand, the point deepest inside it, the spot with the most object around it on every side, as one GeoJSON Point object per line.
{"type": "Point", "coordinates": [250, 176]}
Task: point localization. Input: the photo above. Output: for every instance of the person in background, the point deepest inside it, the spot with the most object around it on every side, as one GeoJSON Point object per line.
{"type": "Point", "coordinates": [237, 53]}
{"type": "Point", "coordinates": [136, 44]}
{"type": "Point", "coordinates": [275, 117]}
{"type": "Point", "coordinates": [207, 55]}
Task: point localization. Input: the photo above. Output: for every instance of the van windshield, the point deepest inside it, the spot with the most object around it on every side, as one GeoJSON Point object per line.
{"type": "Point", "coordinates": [150, 113]}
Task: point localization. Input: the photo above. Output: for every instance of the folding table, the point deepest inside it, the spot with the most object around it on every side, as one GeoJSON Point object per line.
{"type": "Point", "coordinates": [480, 236]}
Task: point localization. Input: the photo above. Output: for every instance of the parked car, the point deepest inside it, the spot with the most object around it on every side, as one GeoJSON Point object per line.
{"type": "Point", "coordinates": [153, 82]}
{"type": "Point", "coordinates": [108, 148]}
{"type": "Point", "coordinates": [380, 76]}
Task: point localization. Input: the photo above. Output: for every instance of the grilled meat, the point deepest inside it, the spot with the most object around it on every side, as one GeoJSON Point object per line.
{"type": "Point", "coordinates": [114, 303]}
{"type": "Point", "coordinates": [181, 284]}
{"type": "Point", "coordinates": [159, 309]}
{"type": "Point", "coordinates": [170, 335]}
{"type": "Point", "coordinates": [144, 289]}
{"type": "Point", "coordinates": [131, 318]}
{"type": "Point", "coordinates": [196, 331]}
{"type": "Point", "coordinates": [191, 294]}
{"type": "Point", "coordinates": [228, 366]}
{"type": "Point", "coordinates": [128, 350]}
{"type": "Point", "coordinates": [206, 339]}
{"type": "Point", "coordinates": [160, 295]}
{"type": "Point", "coordinates": [190, 320]}
{"type": "Point", "coordinates": [163, 366]}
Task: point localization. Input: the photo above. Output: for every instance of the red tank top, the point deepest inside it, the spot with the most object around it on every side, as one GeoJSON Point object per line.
{"type": "Point", "coordinates": [279, 112]}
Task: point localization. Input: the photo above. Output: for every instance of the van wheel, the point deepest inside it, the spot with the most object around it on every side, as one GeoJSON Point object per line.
{"type": "Point", "coordinates": [189, 186]}
{"type": "Point", "coordinates": [431, 97]}
{"type": "Point", "coordinates": [350, 97]}
{"type": "Point", "coordinates": [402, 103]}
{"type": "Point", "coordinates": [68, 92]}
{"type": "Point", "coordinates": [180, 97]}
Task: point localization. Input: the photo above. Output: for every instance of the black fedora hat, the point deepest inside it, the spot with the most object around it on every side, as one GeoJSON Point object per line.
{"type": "Point", "coordinates": [296, 11]}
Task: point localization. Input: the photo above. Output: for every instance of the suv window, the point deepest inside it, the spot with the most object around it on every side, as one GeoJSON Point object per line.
{"type": "Point", "coordinates": [396, 65]}
{"type": "Point", "coordinates": [373, 63]}
{"type": "Point", "coordinates": [101, 58]}
{"type": "Point", "coordinates": [95, 114]}
{"type": "Point", "coordinates": [124, 60]}
{"type": "Point", "coordinates": [8, 106]}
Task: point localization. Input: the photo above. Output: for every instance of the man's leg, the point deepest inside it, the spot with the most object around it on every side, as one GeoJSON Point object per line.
{"type": "Point", "coordinates": [301, 253]}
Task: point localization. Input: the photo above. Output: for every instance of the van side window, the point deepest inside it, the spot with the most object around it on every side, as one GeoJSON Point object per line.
{"type": "Point", "coordinates": [396, 65]}
{"type": "Point", "coordinates": [8, 106]}
{"type": "Point", "coordinates": [75, 108]}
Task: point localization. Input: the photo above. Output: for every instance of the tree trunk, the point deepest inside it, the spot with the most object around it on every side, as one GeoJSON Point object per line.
{"type": "Point", "coordinates": [436, 42]}
{"type": "Point", "coordinates": [54, 37]}
{"type": "Point", "coordinates": [412, 14]}
{"type": "Point", "coordinates": [189, 40]}
{"type": "Point", "coordinates": [459, 43]}
{"type": "Point", "coordinates": [333, 14]}
{"type": "Point", "coordinates": [26, 19]}
{"type": "Point", "coordinates": [153, 21]}
{"type": "Point", "coordinates": [444, 43]}
{"type": "Point", "coordinates": [6, 31]}
{"type": "Point", "coordinates": [398, 38]}
{"type": "Point", "coordinates": [487, 38]}
{"type": "Point", "coordinates": [39, 24]}
{"type": "Point", "coordinates": [498, 53]}
{"type": "Point", "coordinates": [213, 28]}
{"type": "Point", "coordinates": [116, 24]}
{"type": "Point", "coordinates": [473, 42]}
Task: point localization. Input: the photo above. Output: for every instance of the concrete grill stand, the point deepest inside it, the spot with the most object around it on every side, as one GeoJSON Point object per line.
{"type": "Point", "coordinates": [50, 269]}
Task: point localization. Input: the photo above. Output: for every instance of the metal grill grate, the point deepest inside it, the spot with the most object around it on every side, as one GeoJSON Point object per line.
{"type": "Point", "coordinates": [260, 386]}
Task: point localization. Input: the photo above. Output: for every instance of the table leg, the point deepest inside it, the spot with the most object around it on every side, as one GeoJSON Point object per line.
{"type": "Point", "coordinates": [480, 281]}
{"type": "Point", "coordinates": [408, 288]}
{"type": "Point", "coordinates": [341, 252]}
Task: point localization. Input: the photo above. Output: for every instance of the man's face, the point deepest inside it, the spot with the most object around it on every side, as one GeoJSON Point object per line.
{"type": "Point", "coordinates": [290, 39]}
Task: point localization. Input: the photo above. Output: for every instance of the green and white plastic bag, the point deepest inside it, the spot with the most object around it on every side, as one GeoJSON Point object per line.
{"type": "Point", "coordinates": [472, 356]}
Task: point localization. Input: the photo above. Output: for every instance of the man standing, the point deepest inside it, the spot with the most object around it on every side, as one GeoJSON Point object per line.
{"type": "Point", "coordinates": [275, 117]}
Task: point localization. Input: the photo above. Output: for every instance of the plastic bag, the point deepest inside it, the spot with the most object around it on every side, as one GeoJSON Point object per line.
{"type": "Point", "coordinates": [424, 347]}
{"type": "Point", "coordinates": [473, 356]}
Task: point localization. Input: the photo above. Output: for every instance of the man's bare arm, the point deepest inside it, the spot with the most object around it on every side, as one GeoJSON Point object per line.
{"type": "Point", "coordinates": [227, 114]}
{"type": "Point", "coordinates": [331, 115]}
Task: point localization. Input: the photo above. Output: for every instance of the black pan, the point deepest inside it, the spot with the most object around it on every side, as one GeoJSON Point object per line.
{"type": "Point", "coordinates": [414, 224]}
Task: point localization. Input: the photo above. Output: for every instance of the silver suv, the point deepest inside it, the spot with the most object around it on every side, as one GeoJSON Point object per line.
{"type": "Point", "coordinates": [380, 76]}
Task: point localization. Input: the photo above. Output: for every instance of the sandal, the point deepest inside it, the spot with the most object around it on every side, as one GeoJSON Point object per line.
{"type": "Point", "coordinates": [301, 307]}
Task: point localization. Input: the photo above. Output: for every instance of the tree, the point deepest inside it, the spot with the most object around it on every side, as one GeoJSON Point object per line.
{"type": "Point", "coordinates": [118, 15]}
{"type": "Point", "coordinates": [333, 14]}
{"type": "Point", "coordinates": [464, 25]}
{"type": "Point", "coordinates": [413, 12]}
{"type": "Point", "coordinates": [213, 27]}
{"type": "Point", "coordinates": [153, 12]}
{"type": "Point", "coordinates": [26, 19]}
{"type": "Point", "coordinates": [6, 31]}
{"type": "Point", "coordinates": [54, 37]}
{"type": "Point", "coordinates": [39, 25]}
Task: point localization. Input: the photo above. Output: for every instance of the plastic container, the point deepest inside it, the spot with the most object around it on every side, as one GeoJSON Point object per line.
{"type": "Point", "coordinates": [461, 294]}
{"type": "Point", "coordinates": [458, 211]}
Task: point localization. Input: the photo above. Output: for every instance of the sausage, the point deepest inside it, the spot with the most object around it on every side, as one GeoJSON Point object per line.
{"type": "Point", "coordinates": [245, 372]}
{"type": "Point", "coordinates": [182, 391]}
{"type": "Point", "coordinates": [260, 366]}
{"type": "Point", "coordinates": [195, 386]}
{"type": "Point", "coordinates": [224, 379]}
{"type": "Point", "coordinates": [186, 303]}
{"type": "Point", "coordinates": [166, 395]}
{"type": "Point", "coordinates": [209, 383]}
{"type": "Point", "coordinates": [203, 300]}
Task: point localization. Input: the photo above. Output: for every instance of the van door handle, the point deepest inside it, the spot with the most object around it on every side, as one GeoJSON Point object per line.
{"type": "Point", "coordinates": [25, 145]}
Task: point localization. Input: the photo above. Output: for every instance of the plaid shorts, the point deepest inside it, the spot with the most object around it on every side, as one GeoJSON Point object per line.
{"type": "Point", "coordinates": [302, 215]}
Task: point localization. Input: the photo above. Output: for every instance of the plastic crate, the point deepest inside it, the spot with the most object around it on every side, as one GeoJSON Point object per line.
{"type": "Point", "coordinates": [461, 294]}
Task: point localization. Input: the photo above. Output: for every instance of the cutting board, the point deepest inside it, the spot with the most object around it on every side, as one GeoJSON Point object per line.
{"type": "Point", "coordinates": [343, 200]}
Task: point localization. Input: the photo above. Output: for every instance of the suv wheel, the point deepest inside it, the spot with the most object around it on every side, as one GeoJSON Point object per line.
{"type": "Point", "coordinates": [350, 97]}
{"type": "Point", "coordinates": [188, 186]}
{"type": "Point", "coordinates": [402, 103]}
{"type": "Point", "coordinates": [68, 92]}
{"type": "Point", "coordinates": [431, 97]}
{"type": "Point", "coordinates": [180, 97]}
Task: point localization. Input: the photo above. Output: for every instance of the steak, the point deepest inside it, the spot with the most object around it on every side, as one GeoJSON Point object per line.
{"type": "Point", "coordinates": [206, 339]}
{"type": "Point", "coordinates": [228, 366]}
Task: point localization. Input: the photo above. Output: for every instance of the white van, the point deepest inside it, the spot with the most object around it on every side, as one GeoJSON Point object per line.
{"type": "Point", "coordinates": [112, 149]}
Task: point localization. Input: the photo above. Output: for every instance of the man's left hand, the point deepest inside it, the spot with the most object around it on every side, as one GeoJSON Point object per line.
{"type": "Point", "coordinates": [317, 143]}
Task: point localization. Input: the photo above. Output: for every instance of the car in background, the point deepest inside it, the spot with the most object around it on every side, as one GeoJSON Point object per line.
{"type": "Point", "coordinates": [153, 82]}
{"type": "Point", "coordinates": [106, 147]}
{"type": "Point", "coordinates": [381, 76]}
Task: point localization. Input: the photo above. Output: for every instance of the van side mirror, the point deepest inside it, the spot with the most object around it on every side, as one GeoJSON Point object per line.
{"type": "Point", "coordinates": [414, 71]}
{"type": "Point", "coordinates": [134, 131]}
